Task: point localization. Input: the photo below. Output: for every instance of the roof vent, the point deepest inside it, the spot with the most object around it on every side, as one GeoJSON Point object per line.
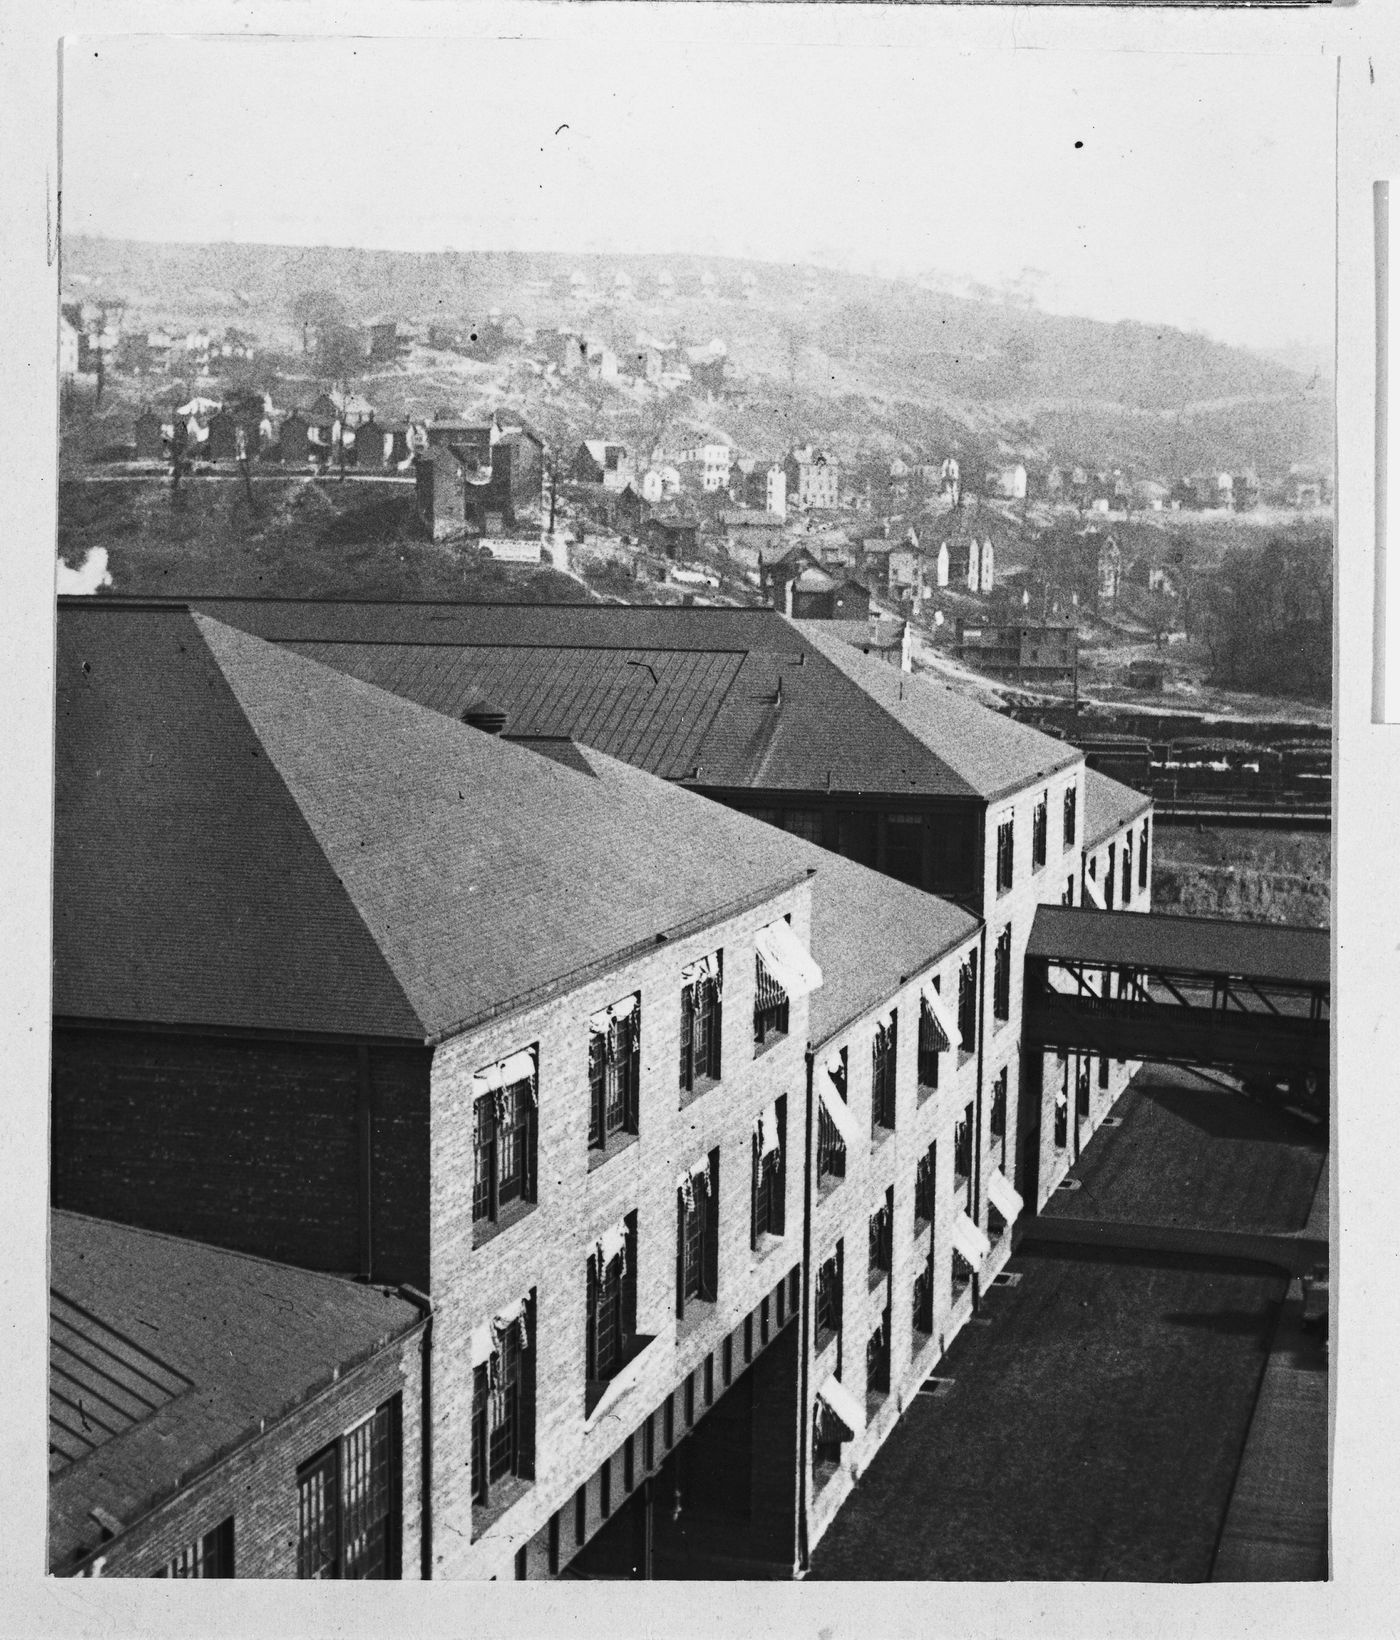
{"type": "Point", "coordinates": [491, 720]}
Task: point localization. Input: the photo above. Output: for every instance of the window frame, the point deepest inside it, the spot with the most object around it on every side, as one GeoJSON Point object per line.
{"type": "Point", "coordinates": [827, 1302]}
{"type": "Point", "coordinates": [1070, 815]}
{"type": "Point", "coordinates": [881, 1240]}
{"type": "Point", "coordinates": [614, 1080]}
{"type": "Point", "coordinates": [1001, 976]}
{"type": "Point", "coordinates": [702, 1018]}
{"type": "Point", "coordinates": [967, 1007]}
{"type": "Point", "coordinates": [1040, 832]}
{"type": "Point", "coordinates": [211, 1554]}
{"type": "Point", "coordinates": [616, 1289]}
{"type": "Point", "coordinates": [498, 1198]}
{"type": "Point", "coordinates": [768, 1215]}
{"type": "Point", "coordinates": [884, 1074]}
{"type": "Point", "coordinates": [509, 1407]}
{"type": "Point", "coordinates": [382, 1426]}
{"type": "Point", "coordinates": [1006, 853]}
{"type": "Point", "coordinates": [771, 1007]}
{"type": "Point", "coordinates": [1143, 843]}
{"type": "Point", "coordinates": [928, 1055]}
{"type": "Point", "coordinates": [697, 1241]}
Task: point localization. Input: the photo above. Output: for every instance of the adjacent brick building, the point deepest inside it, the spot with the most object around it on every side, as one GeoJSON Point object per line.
{"type": "Point", "coordinates": [215, 1415]}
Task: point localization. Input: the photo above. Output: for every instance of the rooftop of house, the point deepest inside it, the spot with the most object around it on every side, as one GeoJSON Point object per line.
{"type": "Point", "coordinates": [1109, 805]}
{"type": "Point", "coordinates": [687, 693]}
{"type": "Point", "coordinates": [246, 837]}
{"type": "Point", "coordinates": [165, 1354]}
{"type": "Point", "coordinates": [869, 932]}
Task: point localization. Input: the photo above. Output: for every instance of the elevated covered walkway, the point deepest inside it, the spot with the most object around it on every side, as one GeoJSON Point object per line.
{"type": "Point", "coordinates": [1250, 998]}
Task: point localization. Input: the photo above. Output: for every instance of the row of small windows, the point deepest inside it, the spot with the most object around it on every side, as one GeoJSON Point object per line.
{"type": "Point", "coordinates": [938, 1034]}
{"type": "Point", "coordinates": [506, 1095]}
{"type": "Point", "coordinates": [1040, 836]}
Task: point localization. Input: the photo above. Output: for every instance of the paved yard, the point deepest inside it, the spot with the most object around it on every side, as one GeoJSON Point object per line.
{"type": "Point", "coordinates": [1094, 1432]}
{"type": "Point", "coordinates": [1189, 1154]}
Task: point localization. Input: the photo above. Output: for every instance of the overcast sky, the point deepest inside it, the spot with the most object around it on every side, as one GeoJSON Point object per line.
{"type": "Point", "coordinates": [1202, 195]}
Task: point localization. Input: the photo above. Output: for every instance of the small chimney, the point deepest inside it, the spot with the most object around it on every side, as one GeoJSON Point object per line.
{"type": "Point", "coordinates": [491, 720]}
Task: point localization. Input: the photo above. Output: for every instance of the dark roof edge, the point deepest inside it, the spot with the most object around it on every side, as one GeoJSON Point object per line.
{"type": "Point", "coordinates": [615, 959]}
{"type": "Point", "coordinates": [1022, 782]}
{"type": "Point", "coordinates": [979, 923]}
{"type": "Point", "coordinates": [97, 1022]}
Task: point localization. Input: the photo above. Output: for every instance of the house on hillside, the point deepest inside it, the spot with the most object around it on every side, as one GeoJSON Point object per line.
{"type": "Point", "coordinates": [813, 480]}
{"type": "Point", "coordinates": [673, 537]}
{"type": "Point", "coordinates": [600, 461]}
{"type": "Point", "coordinates": [382, 339]}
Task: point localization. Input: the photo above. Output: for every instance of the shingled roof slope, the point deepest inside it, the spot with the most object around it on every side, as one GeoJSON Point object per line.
{"type": "Point", "coordinates": [869, 932]}
{"type": "Point", "coordinates": [827, 732]}
{"type": "Point", "coordinates": [219, 1341]}
{"type": "Point", "coordinates": [1108, 806]}
{"type": "Point", "coordinates": [188, 886]}
{"type": "Point", "coordinates": [468, 874]}
{"type": "Point", "coordinates": [991, 753]}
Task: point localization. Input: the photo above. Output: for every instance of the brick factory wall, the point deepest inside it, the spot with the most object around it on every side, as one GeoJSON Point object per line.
{"type": "Point", "coordinates": [248, 1144]}
{"type": "Point", "coordinates": [546, 1251]}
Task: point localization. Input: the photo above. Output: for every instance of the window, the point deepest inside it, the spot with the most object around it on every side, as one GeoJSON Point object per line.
{"type": "Point", "coordinates": [1062, 1106]}
{"type": "Point", "coordinates": [932, 1043]}
{"type": "Point", "coordinates": [1040, 828]}
{"type": "Point", "coordinates": [1127, 868]}
{"type": "Point", "coordinates": [831, 1147]}
{"type": "Point", "coordinates": [700, 1023]}
{"type": "Point", "coordinates": [1068, 897]}
{"type": "Point", "coordinates": [611, 1306]}
{"type": "Point", "coordinates": [924, 1187]}
{"type": "Point", "coordinates": [882, 1240]}
{"type": "Point", "coordinates": [770, 1006]}
{"type": "Point", "coordinates": [962, 1146]}
{"type": "Point", "coordinates": [503, 1404]}
{"type": "Point", "coordinates": [904, 848]}
{"type": "Point", "coordinates": [1001, 975]}
{"type": "Point", "coordinates": [804, 823]}
{"type": "Point", "coordinates": [504, 1140]}
{"type": "Point", "coordinates": [614, 1071]}
{"type": "Point", "coordinates": [697, 1234]}
{"type": "Point", "coordinates": [1081, 1090]}
{"type": "Point", "coordinates": [208, 1556]}
{"type": "Point", "coordinates": [828, 1304]}
{"type": "Point", "coordinates": [1110, 876]}
{"type": "Point", "coordinates": [1006, 853]}
{"type": "Point", "coordinates": [349, 1501]}
{"type": "Point", "coordinates": [1103, 1070]}
{"type": "Point", "coordinates": [769, 1171]}
{"type": "Point", "coordinates": [997, 1118]}
{"type": "Point", "coordinates": [877, 1358]}
{"type": "Point", "coordinates": [1142, 855]}
{"type": "Point", "coordinates": [882, 1072]}
{"type": "Point", "coordinates": [962, 1275]}
{"type": "Point", "coordinates": [923, 1302]}
{"type": "Point", "coordinates": [967, 1006]}
{"type": "Point", "coordinates": [1071, 815]}
{"type": "Point", "coordinates": [826, 1444]}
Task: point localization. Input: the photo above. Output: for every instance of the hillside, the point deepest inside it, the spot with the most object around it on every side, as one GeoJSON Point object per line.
{"type": "Point", "coordinates": [869, 367]}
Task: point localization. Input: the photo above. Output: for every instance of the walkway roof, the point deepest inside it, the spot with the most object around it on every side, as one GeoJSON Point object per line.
{"type": "Point", "coordinates": [1196, 945]}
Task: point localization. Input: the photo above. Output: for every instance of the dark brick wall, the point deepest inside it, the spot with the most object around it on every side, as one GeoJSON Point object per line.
{"type": "Point", "coordinates": [253, 1145]}
{"type": "Point", "coordinates": [257, 1485]}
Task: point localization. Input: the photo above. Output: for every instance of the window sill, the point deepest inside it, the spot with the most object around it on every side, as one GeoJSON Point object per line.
{"type": "Point", "coordinates": [601, 1394]}
{"type": "Point", "coordinates": [703, 1085]}
{"type": "Point", "coordinates": [999, 1023]}
{"type": "Point", "coordinates": [505, 1494]}
{"type": "Point", "coordinates": [964, 1055]}
{"type": "Point", "coordinates": [877, 1278]}
{"type": "Point", "coordinates": [924, 1092]}
{"type": "Point", "coordinates": [769, 1042]}
{"type": "Point", "coordinates": [827, 1183]}
{"type": "Point", "coordinates": [765, 1247]}
{"type": "Point", "coordinates": [878, 1136]}
{"type": "Point", "coordinates": [874, 1400]}
{"type": "Point", "coordinates": [697, 1312]}
{"type": "Point", "coordinates": [486, 1230]}
{"type": "Point", "coordinates": [822, 1342]}
{"type": "Point", "coordinates": [619, 1142]}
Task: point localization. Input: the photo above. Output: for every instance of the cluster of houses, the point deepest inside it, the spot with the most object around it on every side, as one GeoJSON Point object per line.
{"type": "Point", "coordinates": [578, 1180]}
